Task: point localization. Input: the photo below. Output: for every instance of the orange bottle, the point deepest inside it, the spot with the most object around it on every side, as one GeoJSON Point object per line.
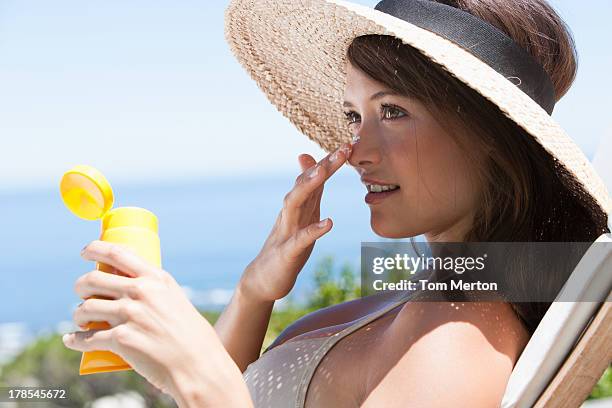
{"type": "Point", "coordinates": [87, 193]}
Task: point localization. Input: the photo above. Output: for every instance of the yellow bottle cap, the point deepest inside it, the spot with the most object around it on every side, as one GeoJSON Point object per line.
{"type": "Point", "coordinates": [86, 192]}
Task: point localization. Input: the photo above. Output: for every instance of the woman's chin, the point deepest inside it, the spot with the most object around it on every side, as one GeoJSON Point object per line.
{"type": "Point", "coordinates": [389, 229]}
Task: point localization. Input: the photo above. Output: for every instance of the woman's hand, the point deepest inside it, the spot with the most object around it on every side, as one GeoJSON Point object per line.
{"type": "Point", "coordinates": [272, 274]}
{"type": "Point", "coordinates": [155, 329]}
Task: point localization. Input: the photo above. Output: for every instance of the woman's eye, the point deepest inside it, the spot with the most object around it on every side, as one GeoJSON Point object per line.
{"type": "Point", "coordinates": [391, 112]}
{"type": "Point", "coordinates": [352, 117]}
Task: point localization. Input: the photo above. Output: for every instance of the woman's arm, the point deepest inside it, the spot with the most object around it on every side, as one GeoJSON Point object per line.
{"type": "Point", "coordinates": [242, 326]}
{"type": "Point", "coordinates": [272, 274]}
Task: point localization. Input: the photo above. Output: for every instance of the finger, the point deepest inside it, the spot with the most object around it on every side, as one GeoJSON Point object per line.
{"type": "Point", "coordinates": [305, 197]}
{"type": "Point", "coordinates": [306, 236]}
{"type": "Point", "coordinates": [117, 339]}
{"type": "Point", "coordinates": [332, 162]}
{"type": "Point", "coordinates": [98, 283]}
{"type": "Point", "coordinates": [89, 340]}
{"type": "Point", "coordinates": [98, 310]}
{"type": "Point", "coordinates": [306, 161]}
{"type": "Point", "coordinates": [120, 257]}
{"type": "Point", "coordinates": [312, 205]}
{"type": "Point", "coordinates": [336, 159]}
{"type": "Point", "coordinates": [315, 176]}
{"type": "Point", "coordinates": [305, 184]}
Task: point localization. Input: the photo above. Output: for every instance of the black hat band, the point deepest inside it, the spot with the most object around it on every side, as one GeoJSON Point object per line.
{"type": "Point", "coordinates": [482, 40]}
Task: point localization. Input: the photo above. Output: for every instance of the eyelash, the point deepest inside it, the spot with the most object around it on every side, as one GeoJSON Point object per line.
{"type": "Point", "coordinates": [383, 107]}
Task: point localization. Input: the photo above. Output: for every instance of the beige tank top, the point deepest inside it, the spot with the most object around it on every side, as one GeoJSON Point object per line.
{"type": "Point", "coordinates": [281, 375]}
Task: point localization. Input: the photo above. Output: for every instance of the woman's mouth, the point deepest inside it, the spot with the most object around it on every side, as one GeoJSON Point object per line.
{"type": "Point", "coordinates": [379, 192]}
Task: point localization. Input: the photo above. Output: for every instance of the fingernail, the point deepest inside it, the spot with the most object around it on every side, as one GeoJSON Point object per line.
{"type": "Point", "coordinates": [313, 172]}
{"type": "Point", "coordinates": [65, 338]}
{"type": "Point", "coordinates": [334, 156]}
{"type": "Point", "coordinates": [85, 247]}
{"type": "Point", "coordinates": [322, 224]}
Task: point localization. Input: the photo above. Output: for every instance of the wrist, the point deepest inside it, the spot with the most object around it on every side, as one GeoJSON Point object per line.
{"type": "Point", "coordinates": [224, 388]}
{"type": "Point", "coordinates": [246, 293]}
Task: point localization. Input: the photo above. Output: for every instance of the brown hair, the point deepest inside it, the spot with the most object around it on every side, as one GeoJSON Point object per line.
{"type": "Point", "coordinates": [527, 195]}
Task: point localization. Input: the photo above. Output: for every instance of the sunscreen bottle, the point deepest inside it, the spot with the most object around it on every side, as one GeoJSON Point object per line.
{"type": "Point", "coordinates": [87, 193]}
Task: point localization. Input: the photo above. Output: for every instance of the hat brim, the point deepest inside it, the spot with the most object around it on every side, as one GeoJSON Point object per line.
{"type": "Point", "coordinates": [296, 53]}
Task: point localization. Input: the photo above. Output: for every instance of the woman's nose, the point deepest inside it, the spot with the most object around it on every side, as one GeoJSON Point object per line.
{"type": "Point", "coordinates": [365, 151]}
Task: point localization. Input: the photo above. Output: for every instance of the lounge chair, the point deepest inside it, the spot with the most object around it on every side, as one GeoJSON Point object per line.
{"type": "Point", "coordinates": [572, 346]}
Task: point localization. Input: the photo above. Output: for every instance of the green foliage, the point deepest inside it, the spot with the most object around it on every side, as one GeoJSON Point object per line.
{"type": "Point", "coordinates": [603, 388]}
{"type": "Point", "coordinates": [329, 290]}
{"type": "Point", "coordinates": [48, 363]}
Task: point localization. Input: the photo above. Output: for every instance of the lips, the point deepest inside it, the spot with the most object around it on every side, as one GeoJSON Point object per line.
{"type": "Point", "coordinates": [378, 190]}
{"type": "Point", "coordinates": [373, 198]}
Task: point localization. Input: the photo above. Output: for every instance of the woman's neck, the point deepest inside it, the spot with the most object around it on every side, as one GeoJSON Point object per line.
{"type": "Point", "coordinates": [452, 233]}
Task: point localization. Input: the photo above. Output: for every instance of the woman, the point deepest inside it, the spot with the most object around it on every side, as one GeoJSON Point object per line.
{"type": "Point", "coordinates": [450, 116]}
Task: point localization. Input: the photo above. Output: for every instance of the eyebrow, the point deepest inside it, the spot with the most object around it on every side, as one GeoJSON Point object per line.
{"type": "Point", "coordinates": [377, 95]}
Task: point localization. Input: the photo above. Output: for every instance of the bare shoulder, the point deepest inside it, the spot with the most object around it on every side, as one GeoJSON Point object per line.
{"type": "Point", "coordinates": [494, 323]}
{"type": "Point", "coordinates": [465, 351]}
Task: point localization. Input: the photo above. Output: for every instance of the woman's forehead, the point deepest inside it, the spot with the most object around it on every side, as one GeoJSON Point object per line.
{"type": "Point", "coordinates": [359, 85]}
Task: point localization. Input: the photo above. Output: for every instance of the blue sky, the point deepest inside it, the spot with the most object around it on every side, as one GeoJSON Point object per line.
{"type": "Point", "coordinates": [149, 91]}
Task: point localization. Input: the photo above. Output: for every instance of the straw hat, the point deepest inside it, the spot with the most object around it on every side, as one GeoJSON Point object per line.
{"type": "Point", "coordinates": [295, 50]}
